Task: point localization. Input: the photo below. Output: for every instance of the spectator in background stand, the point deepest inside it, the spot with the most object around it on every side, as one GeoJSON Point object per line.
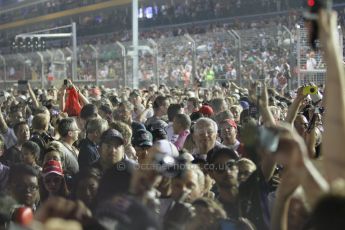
{"type": "Point", "coordinates": [311, 62]}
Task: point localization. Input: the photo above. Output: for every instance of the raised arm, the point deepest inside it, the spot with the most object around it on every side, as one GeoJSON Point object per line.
{"type": "Point", "coordinates": [295, 106]}
{"type": "Point", "coordinates": [33, 96]}
{"type": "Point", "coordinates": [82, 98]}
{"type": "Point", "coordinates": [62, 97]}
{"type": "Point", "coordinates": [265, 112]}
{"type": "Point", "coordinates": [334, 122]}
{"type": "Point", "coordinates": [298, 171]}
{"type": "Point", "coordinates": [3, 124]}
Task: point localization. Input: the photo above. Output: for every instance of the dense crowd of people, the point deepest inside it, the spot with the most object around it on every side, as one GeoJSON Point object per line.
{"type": "Point", "coordinates": [165, 157]}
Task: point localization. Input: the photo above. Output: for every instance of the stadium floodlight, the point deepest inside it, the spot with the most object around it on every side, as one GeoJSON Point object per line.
{"type": "Point", "coordinates": [47, 33]}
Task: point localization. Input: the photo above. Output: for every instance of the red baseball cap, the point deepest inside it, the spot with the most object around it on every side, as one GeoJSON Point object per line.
{"type": "Point", "coordinates": [52, 167]}
{"type": "Point", "coordinates": [206, 110]}
{"type": "Point", "coordinates": [231, 123]}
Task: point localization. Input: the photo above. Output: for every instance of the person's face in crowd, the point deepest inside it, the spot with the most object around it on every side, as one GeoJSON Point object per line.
{"type": "Point", "coordinates": [23, 133]}
{"type": "Point", "coordinates": [15, 116]}
{"type": "Point", "coordinates": [141, 153]}
{"type": "Point", "coordinates": [186, 186]}
{"type": "Point", "coordinates": [87, 190]}
{"type": "Point", "coordinates": [217, 94]}
{"type": "Point", "coordinates": [111, 152]}
{"type": "Point", "coordinates": [244, 171]}
{"type": "Point", "coordinates": [74, 132]}
{"type": "Point", "coordinates": [190, 107]}
{"type": "Point", "coordinates": [136, 100]}
{"type": "Point", "coordinates": [176, 127]}
{"type": "Point", "coordinates": [28, 156]}
{"type": "Point", "coordinates": [301, 125]}
{"type": "Point", "coordinates": [52, 155]}
{"type": "Point", "coordinates": [205, 136]}
{"type": "Point", "coordinates": [164, 107]}
{"type": "Point", "coordinates": [227, 132]}
{"type": "Point", "coordinates": [207, 95]}
{"type": "Point", "coordinates": [124, 114]}
{"type": "Point", "coordinates": [225, 172]}
{"type": "Point", "coordinates": [236, 112]}
{"type": "Point", "coordinates": [52, 183]}
{"type": "Point", "coordinates": [25, 190]}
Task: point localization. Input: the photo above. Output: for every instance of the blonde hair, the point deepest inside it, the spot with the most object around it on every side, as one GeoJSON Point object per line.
{"type": "Point", "coordinates": [246, 161]}
{"type": "Point", "coordinates": [40, 121]}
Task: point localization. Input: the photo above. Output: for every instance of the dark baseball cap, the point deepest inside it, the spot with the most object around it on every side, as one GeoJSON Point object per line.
{"type": "Point", "coordinates": [112, 135]}
{"type": "Point", "coordinates": [213, 155]}
{"type": "Point", "coordinates": [142, 138]}
{"type": "Point", "coordinates": [158, 124]}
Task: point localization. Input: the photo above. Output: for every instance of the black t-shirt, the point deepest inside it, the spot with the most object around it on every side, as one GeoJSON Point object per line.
{"type": "Point", "coordinates": [253, 200]}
